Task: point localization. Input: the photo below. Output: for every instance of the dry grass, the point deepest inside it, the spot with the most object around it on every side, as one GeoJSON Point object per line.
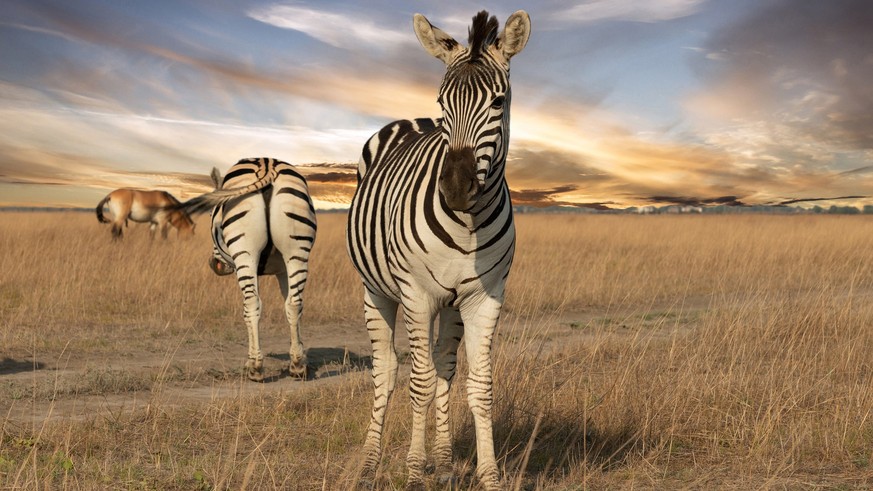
{"type": "Point", "coordinates": [660, 352]}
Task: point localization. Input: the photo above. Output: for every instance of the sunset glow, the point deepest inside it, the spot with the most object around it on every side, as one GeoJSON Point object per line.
{"type": "Point", "coordinates": [614, 104]}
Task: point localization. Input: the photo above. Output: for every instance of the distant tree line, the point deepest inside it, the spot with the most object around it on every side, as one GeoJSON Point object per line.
{"type": "Point", "coordinates": [715, 210]}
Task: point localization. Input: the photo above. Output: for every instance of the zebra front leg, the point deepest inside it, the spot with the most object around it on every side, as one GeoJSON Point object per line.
{"type": "Point", "coordinates": [479, 324]}
{"type": "Point", "coordinates": [248, 283]}
{"type": "Point", "coordinates": [297, 362]}
{"type": "Point", "coordinates": [445, 360]}
{"type": "Point", "coordinates": [380, 314]}
{"type": "Point", "coordinates": [422, 386]}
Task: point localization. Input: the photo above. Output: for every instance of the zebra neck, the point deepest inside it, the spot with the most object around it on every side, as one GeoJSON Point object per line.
{"type": "Point", "coordinates": [494, 185]}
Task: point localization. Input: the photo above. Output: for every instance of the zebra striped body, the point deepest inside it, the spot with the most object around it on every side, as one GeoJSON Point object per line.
{"type": "Point", "coordinates": [430, 228]}
{"type": "Point", "coordinates": [263, 223]}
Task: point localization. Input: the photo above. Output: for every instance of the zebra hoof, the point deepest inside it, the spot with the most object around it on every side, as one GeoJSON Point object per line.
{"type": "Point", "coordinates": [256, 375]}
{"type": "Point", "coordinates": [491, 484]}
{"type": "Point", "coordinates": [446, 479]}
{"type": "Point", "coordinates": [298, 370]}
{"type": "Point", "coordinates": [416, 485]}
{"type": "Point", "coordinates": [254, 371]}
{"type": "Point", "coordinates": [367, 480]}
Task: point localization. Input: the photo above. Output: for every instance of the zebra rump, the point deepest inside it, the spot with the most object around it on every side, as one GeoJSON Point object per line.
{"type": "Point", "coordinates": [263, 223]}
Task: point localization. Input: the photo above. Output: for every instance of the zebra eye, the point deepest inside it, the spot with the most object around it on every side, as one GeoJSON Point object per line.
{"type": "Point", "coordinates": [498, 102]}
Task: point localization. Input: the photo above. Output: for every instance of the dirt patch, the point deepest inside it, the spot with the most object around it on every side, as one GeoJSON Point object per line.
{"type": "Point", "coordinates": [35, 388]}
{"type": "Point", "coordinates": [46, 386]}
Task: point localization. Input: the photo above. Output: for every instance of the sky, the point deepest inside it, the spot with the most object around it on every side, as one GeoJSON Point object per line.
{"type": "Point", "coordinates": [616, 103]}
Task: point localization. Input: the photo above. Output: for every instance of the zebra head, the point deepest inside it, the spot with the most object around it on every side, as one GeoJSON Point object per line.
{"type": "Point", "coordinates": [474, 98]}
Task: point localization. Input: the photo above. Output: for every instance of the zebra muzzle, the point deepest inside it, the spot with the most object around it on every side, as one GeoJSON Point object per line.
{"type": "Point", "coordinates": [459, 183]}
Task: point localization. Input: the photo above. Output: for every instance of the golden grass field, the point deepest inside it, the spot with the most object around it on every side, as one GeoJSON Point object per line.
{"type": "Point", "coordinates": [635, 352]}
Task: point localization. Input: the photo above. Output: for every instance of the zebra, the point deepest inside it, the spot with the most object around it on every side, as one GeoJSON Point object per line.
{"type": "Point", "coordinates": [263, 223]}
{"type": "Point", "coordinates": [430, 228]}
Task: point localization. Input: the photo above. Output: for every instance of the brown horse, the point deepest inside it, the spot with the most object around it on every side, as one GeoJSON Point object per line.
{"type": "Point", "coordinates": [155, 207]}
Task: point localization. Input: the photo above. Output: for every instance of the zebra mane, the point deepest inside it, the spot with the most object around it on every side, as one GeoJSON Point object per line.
{"type": "Point", "coordinates": [482, 33]}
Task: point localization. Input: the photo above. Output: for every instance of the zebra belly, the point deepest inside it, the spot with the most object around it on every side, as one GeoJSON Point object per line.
{"type": "Point", "coordinates": [386, 280]}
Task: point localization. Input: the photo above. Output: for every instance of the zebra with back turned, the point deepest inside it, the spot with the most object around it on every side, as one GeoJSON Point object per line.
{"type": "Point", "coordinates": [263, 223]}
{"type": "Point", "coordinates": [430, 228]}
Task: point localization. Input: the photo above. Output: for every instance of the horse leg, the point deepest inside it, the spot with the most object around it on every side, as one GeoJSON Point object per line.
{"type": "Point", "coordinates": [120, 209]}
{"type": "Point", "coordinates": [117, 231]}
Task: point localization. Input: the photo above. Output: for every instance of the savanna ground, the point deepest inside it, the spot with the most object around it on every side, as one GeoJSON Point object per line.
{"type": "Point", "coordinates": [656, 352]}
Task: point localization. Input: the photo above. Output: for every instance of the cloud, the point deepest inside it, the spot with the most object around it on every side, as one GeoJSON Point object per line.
{"type": "Point", "coordinates": [693, 201]}
{"type": "Point", "coordinates": [41, 30]}
{"type": "Point", "coordinates": [41, 144]}
{"type": "Point", "coordinates": [346, 31]}
{"type": "Point", "coordinates": [804, 200]}
{"type": "Point", "coordinates": [625, 10]}
{"type": "Point", "coordinates": [38, 169]}
{"type": "Point", "coordinates": [348, 177]}
{"type": "Point", "coordinates": [785, 115]}
{"type": "Point", "coordinates": [553, 197]}
{"type": "Point", "coordinates": [805, 66]}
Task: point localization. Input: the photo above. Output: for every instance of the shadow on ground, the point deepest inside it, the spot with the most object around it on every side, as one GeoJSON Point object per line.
{"type": "Point", "coordinates": [559, 446]}
{"type": "Point", "coordinates": [324, 362]}
{"type": "Point", "coordinates": [9, 366]}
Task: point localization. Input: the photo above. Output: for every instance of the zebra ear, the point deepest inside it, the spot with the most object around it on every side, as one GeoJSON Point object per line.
{"type": "Point", "coordinates": [216, 178]}
{"type": "Point", "coordinates": [435, 41]}
{"type": "Point", "coordinates": [514, 37]}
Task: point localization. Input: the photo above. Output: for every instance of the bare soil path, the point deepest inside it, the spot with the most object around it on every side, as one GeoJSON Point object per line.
{"type": "Point", "coordinates": [80, 385]}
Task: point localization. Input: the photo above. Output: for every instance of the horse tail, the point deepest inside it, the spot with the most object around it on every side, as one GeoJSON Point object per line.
{"type": "Point", "coordinates": [205, 202]}
{"type": "Point", "coordinates": [100, 217]}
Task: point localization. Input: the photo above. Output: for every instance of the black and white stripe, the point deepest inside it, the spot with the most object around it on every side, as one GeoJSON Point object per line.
{"type": "Point", "coordinates": [430, 228]}
{"type": "Point", "coordinates": [263, 223]}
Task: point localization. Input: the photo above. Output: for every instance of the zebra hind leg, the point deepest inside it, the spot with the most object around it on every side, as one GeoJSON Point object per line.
{"type": "Point", "coordinates": [297, 362]}
{"type": "Point", "coordinates": [252, 313]}
{"type": "Point", "coordinates": [380, 314]}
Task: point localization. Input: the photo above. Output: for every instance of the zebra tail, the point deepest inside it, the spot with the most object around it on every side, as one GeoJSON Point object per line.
{"type": "Point", "coordinates": [206, 202]}
{"type": "Point", "coordinates": [100, 217]}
